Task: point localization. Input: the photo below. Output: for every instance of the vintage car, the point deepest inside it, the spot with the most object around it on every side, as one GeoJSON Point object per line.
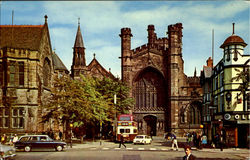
{"type": "Point", "coordinates": [6, 152]}
{"type": "Point", "coordinates": [142, 139]}
{"type": "Point", "coordinates": [30, 142]}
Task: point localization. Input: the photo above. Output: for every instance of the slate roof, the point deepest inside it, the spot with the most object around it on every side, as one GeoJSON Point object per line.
{"type": "Point", "coordinates": [58, 64]}
{"type": "Point", "coordinates": [103, 71]}
{"type": "Point", "coordinates": [79, 40]}
{"type": "Point", "coordinates": [21, 36]}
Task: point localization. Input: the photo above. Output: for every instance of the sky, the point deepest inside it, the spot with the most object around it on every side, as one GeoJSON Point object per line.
{"type": "Point", "coordinates": [101, 23]}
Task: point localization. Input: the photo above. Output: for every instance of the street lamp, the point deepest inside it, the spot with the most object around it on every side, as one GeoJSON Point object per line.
{"type": "Point", "coordinates": [71, 126]}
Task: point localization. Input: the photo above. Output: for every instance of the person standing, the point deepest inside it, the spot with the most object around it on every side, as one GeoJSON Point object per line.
{"type": "Point", "coordinates": [3, 139]}
{"type": "Point", "coordinates": [60, 135]}
{"type": "Point", "coordinates": [15, 139]}
{"type": "Point", "coordinates": [174, 141]}
{"type": "Point", "coordinates": [203, 140]}
{"type": "Point", "coordinates": [189, 155]}
{"type": "Point", "coordinates": [122, 141]}
{"type": "Point", "coordinates": [151, 134]}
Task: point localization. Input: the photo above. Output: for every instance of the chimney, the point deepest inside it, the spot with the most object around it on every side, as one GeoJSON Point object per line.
{"type": "Point", "coordinates": [210, 62]}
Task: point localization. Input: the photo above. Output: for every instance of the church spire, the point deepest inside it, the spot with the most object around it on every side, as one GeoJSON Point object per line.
{"type": "Point", "coordinates": [79, 63]}
{"type": "Point", "coordinates": [79, 39]}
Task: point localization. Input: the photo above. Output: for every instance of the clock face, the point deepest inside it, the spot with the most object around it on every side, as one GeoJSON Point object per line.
{"type": "Point", "coordinates": [227, 116]}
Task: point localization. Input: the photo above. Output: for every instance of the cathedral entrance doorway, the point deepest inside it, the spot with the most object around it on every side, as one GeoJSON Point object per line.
{"type": "Point", "coordinates": [150, 124]}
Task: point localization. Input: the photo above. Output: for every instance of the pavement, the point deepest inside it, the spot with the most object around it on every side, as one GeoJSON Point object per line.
{"type": "Point", "coordinates": [159, 144]}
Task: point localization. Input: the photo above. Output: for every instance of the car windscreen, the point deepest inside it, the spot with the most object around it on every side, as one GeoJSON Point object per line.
{"type": "Point", "coordinates": [139, 137]}
{"type": "Point", "coordinates": [23, 139]}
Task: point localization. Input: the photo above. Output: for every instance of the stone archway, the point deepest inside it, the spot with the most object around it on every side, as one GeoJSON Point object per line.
{"type": "Point", "coordinates": [151, 123]}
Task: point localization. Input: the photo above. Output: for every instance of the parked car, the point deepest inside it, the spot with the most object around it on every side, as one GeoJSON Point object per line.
{"type": "Point", "coordinates": [6, 152]}
{"type": "Point", "coordinates": [30, 142]}
{"type": "Point", "coordinates": [142, 139]}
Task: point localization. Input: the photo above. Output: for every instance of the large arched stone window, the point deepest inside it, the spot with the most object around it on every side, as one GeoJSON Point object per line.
{"type": "Point", "coordinates": [195, 112]}
{"type": "Point", "coordinates": [46, 72]}
{"type": "Point", "coordinates": [149, 90]}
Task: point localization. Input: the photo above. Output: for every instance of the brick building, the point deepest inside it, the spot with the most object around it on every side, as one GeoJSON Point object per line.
{"type": "Point", "coordinates": [166, 99]}
{"type": "Point", "coordinates": [27, 68]}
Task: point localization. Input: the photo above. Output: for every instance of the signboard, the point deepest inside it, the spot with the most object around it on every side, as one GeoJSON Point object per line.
{"type": "Point", "coordinates": [237, 117]}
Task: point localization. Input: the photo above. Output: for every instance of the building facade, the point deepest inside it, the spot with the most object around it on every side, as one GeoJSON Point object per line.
{"type": "Point", "coordinates": [229, 96]}
{"type": "Point", "coordinates": [207, 108]}
{"type": "Point", "coordinates": [232, 116]}
{"type": "Point", "coordinates": [165, 98]}
{"type": "Point", "coordinates": [27, 67]}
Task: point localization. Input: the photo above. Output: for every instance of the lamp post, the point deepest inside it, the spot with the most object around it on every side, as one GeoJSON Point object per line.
{"type": "Point", "coordinates": [71, 126]}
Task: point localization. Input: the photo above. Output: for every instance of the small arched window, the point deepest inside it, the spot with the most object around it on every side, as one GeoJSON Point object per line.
{"type": "Point", "coordinates": [46, 72]}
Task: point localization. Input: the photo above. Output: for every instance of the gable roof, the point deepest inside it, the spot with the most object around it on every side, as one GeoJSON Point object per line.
{"type": "Point", "coordinates": [21, 36]}
{"type": "Point", "coordinates": [95, 64]}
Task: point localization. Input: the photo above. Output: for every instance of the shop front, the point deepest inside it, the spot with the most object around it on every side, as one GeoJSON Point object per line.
{"type": "Point", "coordinates": [234, 128]}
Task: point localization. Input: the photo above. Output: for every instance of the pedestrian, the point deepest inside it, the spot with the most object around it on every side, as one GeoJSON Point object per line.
{"type": "Point", "coordinates": [198, 141]}
{"type": "Point", "coordinates": [3, 139]}
{"type": "Point", "coordinates": [195, 139]}
{"type": "Point", "coordinates": [217, 140]}
{"type": "Point", "coordinates": [221, 141]}
{"type": "Point", "coordinates": [122, 141]}
{"type": "Point", "coordinates": [15, 139]}
{"type": "Point", "coordinates": [60, 135]}
{"type": "Point", "coordinates": [174, 141]}
{"type": "Point", "coordinates": [151, 134]}
{"type": "Point", "coordinates": [189, 138]}
{"type": "Point", "coordinates": [203, 141]}
{"type": "Point", "coordinates": [189, 155]}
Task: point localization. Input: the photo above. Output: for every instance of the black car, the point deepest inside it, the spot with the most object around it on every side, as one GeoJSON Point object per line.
{"type": "Point", "coordinates": [30, 142]}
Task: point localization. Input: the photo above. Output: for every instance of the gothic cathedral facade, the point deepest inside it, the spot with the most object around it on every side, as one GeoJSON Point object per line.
{"type": "Point", "coordinates": [165, 98]}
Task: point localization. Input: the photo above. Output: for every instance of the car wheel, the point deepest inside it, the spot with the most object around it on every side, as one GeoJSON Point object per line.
{"type": "Point", "coordinates": [27, 149]}
{"type": "Point", "coordinates": [59, 148]}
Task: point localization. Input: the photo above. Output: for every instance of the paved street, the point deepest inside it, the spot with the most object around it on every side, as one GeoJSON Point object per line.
{"type": "Point", "coordinates": [158, 150]}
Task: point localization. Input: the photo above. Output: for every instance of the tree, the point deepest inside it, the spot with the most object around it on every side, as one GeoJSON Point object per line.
{"type": "Point", "coordinates": [243, 76]}
{"type": "Point", "coordinates": [86, 102]}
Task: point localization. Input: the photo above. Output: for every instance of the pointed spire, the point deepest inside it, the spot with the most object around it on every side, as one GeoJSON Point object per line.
{"type": "Point", "coordinates": [46, 17]}
{"type": "Point", "coordinates": [233, 28]}
{"type": "Point", "coordinates": [79, 39]}
{"type": "Point", "coordinates": [94, 55]}
{"type": "Point", "coordinates": [195, 72]}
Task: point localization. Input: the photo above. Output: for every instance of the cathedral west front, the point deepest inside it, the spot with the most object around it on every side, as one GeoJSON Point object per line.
{"type": "Point", "coordinates": [165, 98]}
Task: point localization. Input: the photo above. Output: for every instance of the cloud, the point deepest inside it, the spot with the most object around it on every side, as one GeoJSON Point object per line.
{"type": "Point", "coordinates": [101, 23]}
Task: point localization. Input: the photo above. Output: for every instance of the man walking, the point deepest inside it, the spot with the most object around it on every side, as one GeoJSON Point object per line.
{"type": "Point", "coordinates": [122, 141]}
{"type": "Point", "coordinates": [174, 141]}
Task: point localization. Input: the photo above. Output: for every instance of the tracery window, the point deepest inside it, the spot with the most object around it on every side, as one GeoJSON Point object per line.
{"type": "Point", "coordinates": [46, 72]}
{"type": "Point", "coordinates": [149, 90]}
{"type": "Point", "coordinates": [146, 95]}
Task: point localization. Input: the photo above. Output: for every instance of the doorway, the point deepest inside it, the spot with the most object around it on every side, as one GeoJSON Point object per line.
{"type": "Point", "coordinates": [150, 124]}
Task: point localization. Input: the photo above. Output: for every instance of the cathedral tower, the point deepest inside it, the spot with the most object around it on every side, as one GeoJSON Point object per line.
{"type": "Point", "coordinates": [79, 63]}
{"type": "Point", "coordinates": [126, 54]}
